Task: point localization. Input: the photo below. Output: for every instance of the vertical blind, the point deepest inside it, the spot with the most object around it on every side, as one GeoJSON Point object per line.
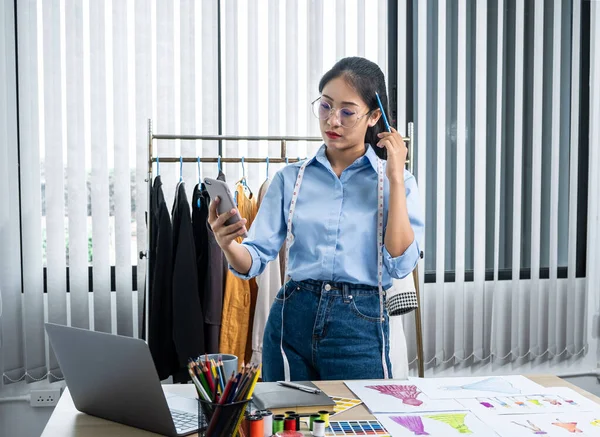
{"type": "Point", "coordinates": [90, 75]}
{"type": "Point", "coordinates": [496, 103]}
{"type": "Point", "coordinates": [496, 110]}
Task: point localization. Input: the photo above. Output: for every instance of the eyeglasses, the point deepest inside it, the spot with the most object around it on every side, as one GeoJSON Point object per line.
{"type": "Point", "coordinates": [347, 117]}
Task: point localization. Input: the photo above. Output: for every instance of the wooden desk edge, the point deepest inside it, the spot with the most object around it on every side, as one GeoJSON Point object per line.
{"type": "Point", "coordinates": [66, 418]}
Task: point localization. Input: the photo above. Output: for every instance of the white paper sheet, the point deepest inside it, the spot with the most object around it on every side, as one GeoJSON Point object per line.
{"type": "Point", "coordinates": [446, 424]}
{"type": "Point", "coordinates": [476, 387]}
{"type": "Point", "coordinates": [549, 425]}
{"type": "Point", "coordinates": [398, 396]}
{"type": "Point", "coordinates": [552, 400]}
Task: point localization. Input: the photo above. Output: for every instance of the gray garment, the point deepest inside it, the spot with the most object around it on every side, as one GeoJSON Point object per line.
{"type": "Point", "coordinates": [214, 287]}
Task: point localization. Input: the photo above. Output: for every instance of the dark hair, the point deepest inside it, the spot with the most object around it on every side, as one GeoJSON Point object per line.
{"type": "Point", "coordinates": [367, 79]}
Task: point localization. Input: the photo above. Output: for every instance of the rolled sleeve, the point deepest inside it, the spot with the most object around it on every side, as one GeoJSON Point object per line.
{"type": "Point", "coordinates": [256, 267]}
{"type": "Point", "coordinates": [267, 232]}
{"type": "Point", "coordinates": [401, 266]}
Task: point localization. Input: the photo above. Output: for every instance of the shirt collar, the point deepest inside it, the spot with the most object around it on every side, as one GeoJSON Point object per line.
{"type": "Point", "coordinates": [322, 158]}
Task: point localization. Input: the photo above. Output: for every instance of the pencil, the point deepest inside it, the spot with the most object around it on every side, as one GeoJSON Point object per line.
{"type": "Point", "coordinates": [216, 390]}
{"type": "Point", "coordinates": [227, 388]}
{"type": "Point", "coordinates": [208, 376]}
{"type": "Point", "coordinates": [247, 381]}
{"type": "Point", "coordinates": [385, 120]}
{"type": "Point", "coordinates": [201, 377]}
{"type": "Point", "coordinates": [234, 385]}
{"type": "Point", "coordinates": [249, 395]}
{"type": "Point", "coordinates": [222, 373]}
{"type": "Point", "coordinates": [199, 388]}
{"type": "Point", "coordinates": [214, 368]}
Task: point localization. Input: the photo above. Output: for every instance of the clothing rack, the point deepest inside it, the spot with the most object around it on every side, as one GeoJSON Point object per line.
{"type": "Point", "coordinates": [282, 158]}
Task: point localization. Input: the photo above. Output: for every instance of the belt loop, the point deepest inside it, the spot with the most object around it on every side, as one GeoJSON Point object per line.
{"type": "Point", "coordinates": [345, 293]}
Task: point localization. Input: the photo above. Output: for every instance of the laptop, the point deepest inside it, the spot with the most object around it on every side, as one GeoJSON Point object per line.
{"type": "Point", "coordinates": [113, 377]}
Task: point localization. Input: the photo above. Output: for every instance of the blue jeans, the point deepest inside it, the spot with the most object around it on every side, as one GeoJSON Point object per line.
{"type": "Point", "coordinates": [330, 331]}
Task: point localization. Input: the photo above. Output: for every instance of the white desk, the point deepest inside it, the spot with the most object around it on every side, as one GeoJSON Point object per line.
{"type": "Point", "coordinates": [66, 421]}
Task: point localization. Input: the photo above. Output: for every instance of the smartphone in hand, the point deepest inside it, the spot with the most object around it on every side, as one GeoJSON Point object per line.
{"type": "Point", "coordinates": [217, 188]}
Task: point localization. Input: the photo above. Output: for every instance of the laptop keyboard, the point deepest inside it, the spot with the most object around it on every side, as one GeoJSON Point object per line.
{"type": "Point", "coordinates": [184, 422]}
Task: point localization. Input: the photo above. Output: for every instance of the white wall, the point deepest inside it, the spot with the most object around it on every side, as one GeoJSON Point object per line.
{"type": "Point", "coordinates": [19, 419]}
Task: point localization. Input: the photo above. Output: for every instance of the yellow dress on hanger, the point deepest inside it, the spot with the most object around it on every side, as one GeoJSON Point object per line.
{"type": "Point", "coordinates": [240, 296]}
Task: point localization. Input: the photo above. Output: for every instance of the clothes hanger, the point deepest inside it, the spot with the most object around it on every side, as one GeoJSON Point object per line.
{"type": "Point", "coordinates": [267, 168]}
{"type": "Point", "coordinates": [247, 189]}
{"type": "Point", "coordinates": [199, 182]}
{"type": "Point", "coordinates": [180, 169]}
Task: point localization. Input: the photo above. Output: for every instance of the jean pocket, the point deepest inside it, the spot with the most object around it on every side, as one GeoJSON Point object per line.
{"type": "Point", "coordinates": [366, 306]}
{"type": "Point", "coordinates": [287, 291]}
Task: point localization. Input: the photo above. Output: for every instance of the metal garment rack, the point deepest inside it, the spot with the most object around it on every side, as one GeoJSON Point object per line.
{"type": "Point", "coordinates": [283, 140]}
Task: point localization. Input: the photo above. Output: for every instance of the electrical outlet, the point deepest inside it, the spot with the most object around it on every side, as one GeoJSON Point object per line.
{"type": "Point", "coordinates": [45, 398]}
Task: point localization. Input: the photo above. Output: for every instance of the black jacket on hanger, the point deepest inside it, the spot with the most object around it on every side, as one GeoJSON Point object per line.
{"type": "Point", "coordinates": [160, 293]}
{"type": "Point", "coordinates": [210, 262]}
{"type": "Point", "coordinates": [188, 319]}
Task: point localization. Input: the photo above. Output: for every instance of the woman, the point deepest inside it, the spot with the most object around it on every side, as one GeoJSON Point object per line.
{"type": "Point", "coordinates": [335, 210]}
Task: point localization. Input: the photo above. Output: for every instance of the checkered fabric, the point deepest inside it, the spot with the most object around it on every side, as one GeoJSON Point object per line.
{"type": "Point", "coordinates": [402, 303]}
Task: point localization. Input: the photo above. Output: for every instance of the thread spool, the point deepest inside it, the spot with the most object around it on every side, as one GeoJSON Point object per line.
{"type": "Point", "coordinates": [318, 428]}
{"type": "Point", "coordinates": [289, 434]}
{"type": "Point", "coordinates": [289, 423]}
{"type": "Point", "coordinates": [289, 413]}
{"type": "Point", "coordinates": [324, 416]}
{"type": "Point", "coordinates": [278, 423]}
{"type": "Point", "coordinates": [256, 425]}
{"type": "Point", "coordinates": [268, 423]}
{"type": "Point", "coordinates": [314, 417]}
{"type": "Point", "coordinates": [297, 417]}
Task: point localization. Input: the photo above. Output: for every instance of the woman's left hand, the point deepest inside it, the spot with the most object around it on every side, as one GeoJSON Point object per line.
{"type": "Point", "coordinates": [396, 154]}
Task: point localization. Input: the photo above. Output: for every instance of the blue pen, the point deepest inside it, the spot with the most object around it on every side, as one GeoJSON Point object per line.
{"type": "Point", "coordinates": [385, 120]}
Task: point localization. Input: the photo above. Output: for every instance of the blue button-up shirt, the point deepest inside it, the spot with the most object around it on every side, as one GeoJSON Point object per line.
{"type": "Point", "coordinates": [334, 224]}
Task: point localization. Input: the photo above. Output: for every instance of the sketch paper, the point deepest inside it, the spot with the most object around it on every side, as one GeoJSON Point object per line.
{"type": "Point", "coordinates": [552, 400]}
{"type": "Point", "coordinates": [477, 387]}
{"type": "Point", "coordinates": [344, 404]}
{"type": "Point", "coordinates": [444, 424]}
{"type": "Point", "coordinates": [549, 425]}
{"type": "Point", "coordinates": [396, 396]}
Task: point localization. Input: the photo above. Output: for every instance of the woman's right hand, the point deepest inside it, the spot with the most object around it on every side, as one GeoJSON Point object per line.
{"type": "Point", "coordinates": [224, 234]}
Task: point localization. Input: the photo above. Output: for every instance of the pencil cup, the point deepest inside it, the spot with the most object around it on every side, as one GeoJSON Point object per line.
{"type": "Point", "coordinates": [220, 420]}
{"type": "Point", "coordinates": [230, 362]}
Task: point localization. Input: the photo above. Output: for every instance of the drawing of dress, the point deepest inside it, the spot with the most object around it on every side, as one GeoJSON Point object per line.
{"type": "Point", "coordinates": [486, 404]}
{"type": "Point", "coordinates": [412, 423]}
{"type": "Point", "coordinates": [534, 428]}
{"type": "Point", "coordinates": [456, 421]}
{"type": "Point", "coordinates": [494, 384]}
{"type": "Point", "coordinates": [407, 393]}
{"type": "Point", "coordinates": [569, 426]}
{"type": "Point", "coordinates": [569, 401]}
{"type": "Point", "coordinates": [552, 401]}
{"type": "Point", "coordinates": [535, 402]}
{"type": "Point", "coordinates": [502, 403]}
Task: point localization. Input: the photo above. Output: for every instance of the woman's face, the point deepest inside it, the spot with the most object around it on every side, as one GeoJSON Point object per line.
{"type": "Point", "coordinates": [347, 124]}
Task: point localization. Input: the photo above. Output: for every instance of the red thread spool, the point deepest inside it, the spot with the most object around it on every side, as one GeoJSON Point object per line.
{"type": "Point", "coordinates": [289, 423]}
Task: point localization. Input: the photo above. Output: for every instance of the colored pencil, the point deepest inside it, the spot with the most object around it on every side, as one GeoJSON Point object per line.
{"type": "Point", "coordinates": [227, 388]}
{"type": "Point", "coordinates": [222, 374]}
{"type": "Point", "coordinates": [201, 392]}
{"type": "Point", "coordinates": [202, 378]}
{"type": "Point", "coordinates": [208, 376]}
